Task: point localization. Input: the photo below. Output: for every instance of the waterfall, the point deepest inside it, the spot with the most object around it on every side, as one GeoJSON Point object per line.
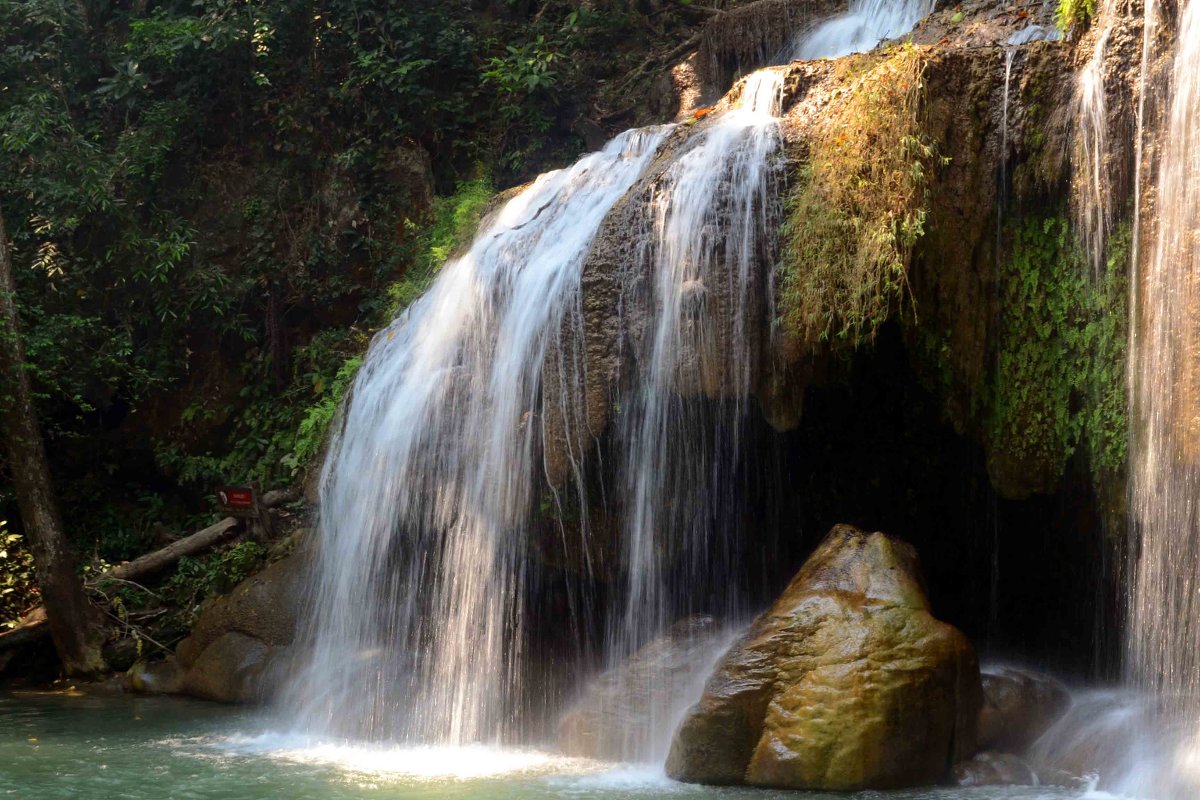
{"type": "Point", "coordinates": [427, 492]}
{"type": "Point", "coordinates": [710, 217]}
{"type": "Point", "coordinates": [1010, 52]}
{"type": "Point", "coordinates": [864, 26]}
{"type": "Point", "coordinates": [1164, 608]}
{"type": "Point", "coordinates": [424, 495]}
{"type": "Point", "coordinates": [420, 619]}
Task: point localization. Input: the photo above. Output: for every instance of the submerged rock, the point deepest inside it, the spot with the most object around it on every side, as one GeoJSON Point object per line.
{"type": "Point", "coordinates": [995, 769]}
{"type": "Point", "coordinates": [627, 710]}
{"type": "Point", "coordinates": [847, 682]}
{"type": "Point", "coordinates": [1018, 707]}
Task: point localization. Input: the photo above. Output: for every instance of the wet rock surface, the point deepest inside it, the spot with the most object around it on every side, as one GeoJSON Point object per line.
{"type": "Point", "coordinates": [847, 682]}
{"type": "Point", "coordinates": [1018, 707]}
{"type": "Point", "coordinates": [626, 709]}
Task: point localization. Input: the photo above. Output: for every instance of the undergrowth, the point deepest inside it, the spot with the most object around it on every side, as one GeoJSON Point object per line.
{"type": "Point", "coordinates": [18, 589]}
{"type": "Point", "coordinates": [453, 224]}
{"type": "Point", "coordinates": [859, 206]}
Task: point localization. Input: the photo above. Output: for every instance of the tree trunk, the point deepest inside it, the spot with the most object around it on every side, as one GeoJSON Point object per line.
{"type": "Point", "coordinates": [74, 623]}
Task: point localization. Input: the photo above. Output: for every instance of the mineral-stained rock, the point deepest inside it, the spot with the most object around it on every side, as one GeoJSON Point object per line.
{"type": "Point", "coordinates": [847, 682]}
{"type": "Point", "coordinates": [1018, 707]}
{"type": "Point", "coordinates": [753, 35]}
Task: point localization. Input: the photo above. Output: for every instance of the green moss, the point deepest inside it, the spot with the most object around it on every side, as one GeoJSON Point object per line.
{"type": "Point", "coordinates": [1059, 379]}
{"type": "Point", "coordinates": [858, 207]}
{"type": "Point", "coordinates": [310, 433]}
{"type": "Point", "coordinates": [1105, 432]}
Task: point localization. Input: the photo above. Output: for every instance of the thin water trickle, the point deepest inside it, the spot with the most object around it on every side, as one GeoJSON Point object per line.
{"type": "Point", "coordinates": [1002, 188]}
{"type": "Point", "coordinates": [1149, 34]}
{"type": "Point", "coordinates": [1092, 185]}
{"type": "Point", "coordinates": [1164, 609]}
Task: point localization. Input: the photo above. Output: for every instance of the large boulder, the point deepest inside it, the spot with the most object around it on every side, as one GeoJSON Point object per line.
{"type": "Point", "coordinates": [847, 682]}
{"type": "Point", "coordinates": [628, 712]}
{"type": "Point", "coordinates": [241, 645]}
{"type": "Point", "coordinates": [1018, 707]}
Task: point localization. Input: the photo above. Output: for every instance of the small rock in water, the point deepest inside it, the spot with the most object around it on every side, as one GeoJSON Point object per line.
{"type": "Point", "coordinates": [995, 769]}
{"type": "Point", "coordinates": [163, 677]}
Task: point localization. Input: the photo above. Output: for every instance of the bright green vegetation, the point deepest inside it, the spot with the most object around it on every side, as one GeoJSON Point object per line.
{"type": "Point", "coordinates": [1074, 14]}
{"type": "Point", "coordinates": [281, 429]}
{"type": "Point", "coordinates": [1059, 380]}
{"type": "Point", "coordinates": [859, 206]}
{"type": "Point", "coordinates": [18, 590]}
{"type": "Point", "coordinates": [452, 224]}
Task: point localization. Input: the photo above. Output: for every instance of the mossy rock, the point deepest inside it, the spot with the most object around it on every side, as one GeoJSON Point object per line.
{"type": "Point", "coordinates": [846, 683]}
{"type": "Point", "coordinates": [241, 643]}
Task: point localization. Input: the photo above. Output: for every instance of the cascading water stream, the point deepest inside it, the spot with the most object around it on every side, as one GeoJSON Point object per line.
{"type": "Point", "coordinates": [864, 26]}
{"type": "Point", "coordinates": [1164, 610]}
{"type": "Point", "coordinates": [427, 490]}
{"type": "Point", "coordinates": [419, 577]}
{"type": "Point", "coordinates": [708, 211]}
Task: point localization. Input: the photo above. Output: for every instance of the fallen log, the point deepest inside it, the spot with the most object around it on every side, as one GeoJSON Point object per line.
{"type": "Point", "coordinates": [33, 625]}
{"type": "Point", "coordinates": [161, 559]}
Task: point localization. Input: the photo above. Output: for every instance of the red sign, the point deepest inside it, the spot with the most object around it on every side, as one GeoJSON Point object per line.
{"type": "Point", "coordinates": [236, 498]}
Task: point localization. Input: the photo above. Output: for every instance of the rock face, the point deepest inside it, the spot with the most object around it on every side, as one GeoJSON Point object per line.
{"type": "Point", "coordinates": [240, 647]}
{"type": "Point", "coordinates": [627, 711]}
{"type": "Point", "coordinates": [1018, 707]}
{"type": "Point", "coordinates": [847, 682]}
{"type": "Point", "coordinates": [753, 35]}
